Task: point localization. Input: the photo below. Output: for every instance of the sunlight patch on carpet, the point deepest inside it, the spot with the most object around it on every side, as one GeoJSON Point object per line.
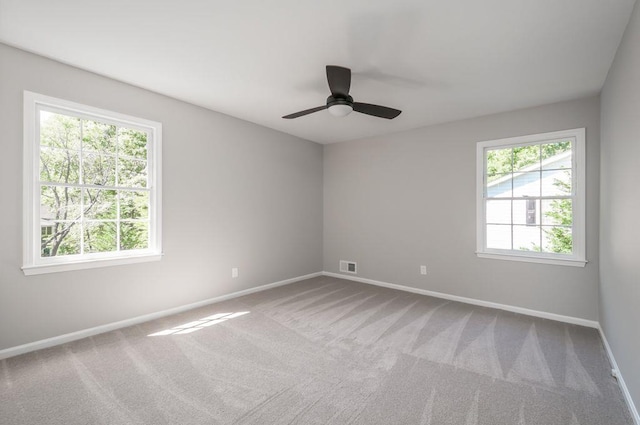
{"type": "Point", "coordinates": [196, 325]}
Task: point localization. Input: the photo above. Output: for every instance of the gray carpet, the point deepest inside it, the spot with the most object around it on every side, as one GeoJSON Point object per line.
{"type": "Point", "coordinates": [322, 351]}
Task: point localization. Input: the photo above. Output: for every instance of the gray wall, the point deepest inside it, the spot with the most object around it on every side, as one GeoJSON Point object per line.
{"type": "Point", "coordinates": [620, 207]}
{"type": "Point", "coordinates": [235, 195]}
{"type": "Point", "coordinates": [392, 203]}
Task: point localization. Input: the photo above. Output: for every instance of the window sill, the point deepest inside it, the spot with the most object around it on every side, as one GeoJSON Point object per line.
{"type": "Point", "coordinates": [88, 264]}
{"type": "Point", "coordinates": [529, 259]}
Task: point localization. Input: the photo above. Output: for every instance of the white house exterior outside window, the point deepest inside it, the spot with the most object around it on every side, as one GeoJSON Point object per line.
{"type": "Point", "coordinates": [92, 194]}
{"type": "Point", "coordinates": [531, 198]}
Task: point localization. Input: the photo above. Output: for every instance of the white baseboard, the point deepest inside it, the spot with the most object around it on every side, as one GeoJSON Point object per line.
{"type": "Point", "coordinates": [623, 386]}
{"type": "Point", "coordinates": [61, 339]}
{"type": "Point", "coordinates": [514, 309]}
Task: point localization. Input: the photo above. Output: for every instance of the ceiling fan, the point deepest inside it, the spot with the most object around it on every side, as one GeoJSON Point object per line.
{"type": "Point", "coordinates": [340, 103]}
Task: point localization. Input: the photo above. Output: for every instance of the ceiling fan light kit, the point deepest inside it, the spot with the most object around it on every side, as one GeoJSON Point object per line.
{"type": "Point", "coordinates": [340, 104]}
{"type": "Point", "coordinates": [340, 107]}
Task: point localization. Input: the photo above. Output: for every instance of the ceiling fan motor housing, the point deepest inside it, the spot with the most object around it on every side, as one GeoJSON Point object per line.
{"type": "Point", "coordinates": [332, 100]}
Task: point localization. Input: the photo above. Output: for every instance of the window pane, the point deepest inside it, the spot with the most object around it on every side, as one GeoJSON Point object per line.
{"type": "Point", "coordinates": [498, 236]}
{"type": "Point", "coordinates": [499, 161]}
{"type": "Point", "coordinates": [134, 205]}
{"type": "Point", "coordinates": [526, 211]}
{"type": "Point", "coordinates": [60, 131]}
{"type": "Point", "coordinates": [100, 237]}
{"type": "Point", "coordinates": [526, 238]}
{"type": "Point", "coordinates": [557, 212]}
{"type": "Point", "coordinates": [59, 203]}
{"type": "Point", "coordinates": [558, 239]}
{"type": "Point", "coordinates": [134, 235]}
{"type": "Point", "coordinates": [98, 137]}
{"type": "Point", "coordinates": [499, 212]}
{"type": "Point", "coordinates": [132, 173]}
{"type": "Point", "coordinates": [59, 165]}
{"type": "Point", "coordinates": [526, 184]}
{"type": "Point", "coordinates": [65, 240]}
{"type": "Point", "coordinates": [99, 169]}
{"type": "Point", "coordinates": [132, 143]}
{"type": "Point", "coordinates": [100, 204]}
{"type": "Point", "coordinates": [500, 187]}
{"type": "Point", "coordinates": [526, 158]}
{"type": "Point", "coordinates": [556, 155]}
{"type": "Point", "coordinates": [556, 183]}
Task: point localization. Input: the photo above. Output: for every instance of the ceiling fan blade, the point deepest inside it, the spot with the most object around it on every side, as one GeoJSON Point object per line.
{"type": "Point", "coordinates": [376, 110]}
{"type": "Point", "coordinates": [339, 80]}
{"type": "Point", "coordinates": [305, 112]}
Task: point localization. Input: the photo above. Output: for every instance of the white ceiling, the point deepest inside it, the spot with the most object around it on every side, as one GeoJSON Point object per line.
{"type": "Point", "coordinates": [436, 60]}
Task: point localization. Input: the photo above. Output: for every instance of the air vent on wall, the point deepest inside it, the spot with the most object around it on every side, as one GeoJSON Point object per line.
{"type": "Point", "coordinates": [348, 267]}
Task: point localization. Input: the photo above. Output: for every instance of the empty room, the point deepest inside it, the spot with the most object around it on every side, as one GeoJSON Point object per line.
{"type": "Point", "coordinates": [320, 212]}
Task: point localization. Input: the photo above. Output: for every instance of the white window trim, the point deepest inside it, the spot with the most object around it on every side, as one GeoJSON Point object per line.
{"type": "Point", "coordinates": [578, 259]}
{"type": "Point", "coordinates": [33, 263]}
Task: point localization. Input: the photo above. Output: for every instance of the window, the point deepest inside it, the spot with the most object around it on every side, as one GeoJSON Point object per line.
{"type": "Point", "coordinates": [532, 208]}
{"type": "Point", "coordinates": [91, 187]}
{"type": "Point", "coordinates": [531, 198]}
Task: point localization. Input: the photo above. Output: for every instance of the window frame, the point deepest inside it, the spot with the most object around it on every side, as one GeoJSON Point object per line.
{"type": "Point", "coordinates": [578, 258]}
{"type": "Point", "coordinates": [33, 262]}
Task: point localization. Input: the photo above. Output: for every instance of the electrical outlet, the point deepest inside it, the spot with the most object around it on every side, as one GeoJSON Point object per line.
{"type": "Point", "coordinates": [234, 272]}
{"type": "Point", "coordinates": [423, 269]}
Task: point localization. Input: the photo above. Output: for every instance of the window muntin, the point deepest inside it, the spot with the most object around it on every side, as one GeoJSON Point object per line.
{"type": "Point", "coordinates": [531, 197]}
{"type": "Point", "coordinates": [92, 181]}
